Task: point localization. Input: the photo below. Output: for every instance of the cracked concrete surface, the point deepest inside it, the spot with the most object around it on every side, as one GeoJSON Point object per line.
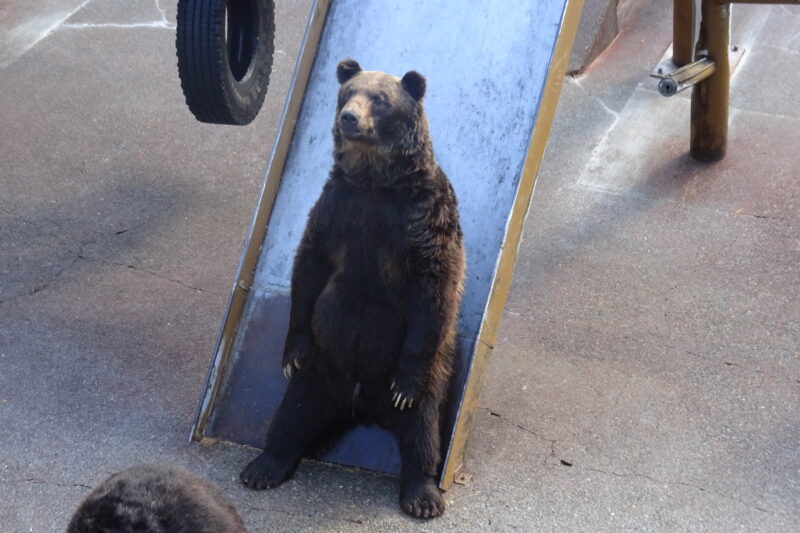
{"type": "Point", "coordinates": [26, 23]}
{"type": "Point", "coordinates": [646, 374]}
{"type": "Point", "coordinates": [121, 14]}
{"type": "Point", "coordinates": [109, 14]}
{"type": "Point", "coordinates": [134, 267]}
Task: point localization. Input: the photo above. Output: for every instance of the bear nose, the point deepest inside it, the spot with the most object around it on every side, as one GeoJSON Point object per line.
{"type": "Point", "coordinates": [349, 120]}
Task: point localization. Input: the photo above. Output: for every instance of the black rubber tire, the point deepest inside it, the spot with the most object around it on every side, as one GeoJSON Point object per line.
{"type": "Point", "coordinates": [222, 86]}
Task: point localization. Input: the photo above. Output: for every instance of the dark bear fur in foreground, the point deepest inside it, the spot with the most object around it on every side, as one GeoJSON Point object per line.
{"type": "Point", "coordinates": [376, 287]}
{"type": "Point", "coordinates": [155, 499]}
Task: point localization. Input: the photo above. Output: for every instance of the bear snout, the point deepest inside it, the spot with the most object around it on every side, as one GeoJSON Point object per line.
{"type": "Point", "coordinates": [349, 120]}
{"type": "Point", "coordinates": [349, 123]}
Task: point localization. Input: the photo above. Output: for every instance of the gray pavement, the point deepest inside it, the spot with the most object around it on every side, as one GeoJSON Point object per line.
{"type": "Point", "coordinates": [647, 370]}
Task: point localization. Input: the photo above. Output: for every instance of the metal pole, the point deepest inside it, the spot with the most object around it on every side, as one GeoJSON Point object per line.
{"type": "Point", "coordinates": [682, 32]}
{"type": "Point", "coordinates": [710, 98]}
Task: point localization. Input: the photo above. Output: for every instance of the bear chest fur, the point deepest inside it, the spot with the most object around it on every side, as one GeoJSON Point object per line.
{"type": "Point", "coordinates": [366, 239]}
{"type": "Point", "coordinates": [359, 317]}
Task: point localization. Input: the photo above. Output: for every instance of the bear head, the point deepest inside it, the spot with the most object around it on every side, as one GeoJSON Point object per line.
{"type": "Point", "coordinates": [379, 116]}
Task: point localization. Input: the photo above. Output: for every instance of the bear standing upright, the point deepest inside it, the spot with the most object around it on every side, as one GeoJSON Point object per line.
{"type": "Point", "coordinates": [376, 287]}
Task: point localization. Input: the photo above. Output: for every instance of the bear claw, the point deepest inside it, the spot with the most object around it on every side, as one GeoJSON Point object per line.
{"type": "Point", "coordinates": [400, 399]}
{"type": "Point", "coordinates": [288, 370]}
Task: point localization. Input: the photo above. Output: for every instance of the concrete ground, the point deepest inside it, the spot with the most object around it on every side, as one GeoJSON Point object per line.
{"type": "Point", "coordinates": [647, 371]}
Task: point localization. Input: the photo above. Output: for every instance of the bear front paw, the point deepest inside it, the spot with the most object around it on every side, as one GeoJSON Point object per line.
{"type": "Point", "coordinates": [295, 356]}
{"type": "Point", "coordinates": [404, 392]}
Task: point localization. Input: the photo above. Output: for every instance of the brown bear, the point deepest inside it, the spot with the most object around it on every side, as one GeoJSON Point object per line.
{"type": "Point", "coordinates": [376, 287]}
{"type": "Point", "coordinates": [155, 499]}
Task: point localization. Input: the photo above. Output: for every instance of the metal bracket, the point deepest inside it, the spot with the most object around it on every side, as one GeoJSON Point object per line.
{"type": "Point", "coordinates": [674, 79]}
{"type": "Point", "coordinates": [688, 75]}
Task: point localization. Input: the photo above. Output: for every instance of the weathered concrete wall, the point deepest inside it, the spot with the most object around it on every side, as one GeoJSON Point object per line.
{"type": "Point", "coordinates": [598, 28]}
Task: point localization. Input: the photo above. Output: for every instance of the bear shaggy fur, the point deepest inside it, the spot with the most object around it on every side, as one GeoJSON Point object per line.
{"type": "Point", "coordinates": [376, 287]}
{"type": "Point", "coordinates": [155, 499]}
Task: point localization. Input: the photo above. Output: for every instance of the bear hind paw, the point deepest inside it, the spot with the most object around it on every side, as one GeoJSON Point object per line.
{"type": "Point", "coordinates": [423, 500]}
{"type": "Point", "coordinates": [266, 472]}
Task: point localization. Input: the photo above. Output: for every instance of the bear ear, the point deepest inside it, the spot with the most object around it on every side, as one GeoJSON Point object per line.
{"type": "Point", "coordinates": [346, 69]}
{"type": "Point", "coordinates": [414, 83]}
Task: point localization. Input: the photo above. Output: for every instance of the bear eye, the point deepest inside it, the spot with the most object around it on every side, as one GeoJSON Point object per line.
{"type": "Point", "coordinates": [381, 100]}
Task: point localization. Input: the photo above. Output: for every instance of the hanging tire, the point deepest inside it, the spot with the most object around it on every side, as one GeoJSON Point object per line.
{"type": "Point", "coordinates": [225, 52]}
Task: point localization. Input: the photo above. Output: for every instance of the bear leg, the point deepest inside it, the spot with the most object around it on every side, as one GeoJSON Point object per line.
{"type": "Point", "coordinates": [306, 411]}
{"type": "Point", "coordinates": [418, 437]}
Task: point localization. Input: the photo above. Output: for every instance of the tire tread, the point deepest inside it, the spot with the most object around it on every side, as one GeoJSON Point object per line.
{"type": "Point", "coordinates": [203, 68]}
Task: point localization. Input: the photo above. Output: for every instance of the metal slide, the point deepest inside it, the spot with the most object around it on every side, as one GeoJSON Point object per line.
{"type": "Point", "coordinates": [494, 72]}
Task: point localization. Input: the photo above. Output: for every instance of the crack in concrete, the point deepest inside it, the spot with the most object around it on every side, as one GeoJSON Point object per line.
{"type": "Point", "coordinates": [551, 455]}
{"type": "Point", "coordinates": [628, 474]}
{"type": "Point", "coordinates": [683, 484]}
{"type": "Point", "coordinates": [664, 293]}
{"type": "Point", "coordinates": [253, 508]}
{"type": "Point", "coordinates": [738, 110]}
{"type": "Point", "coordinates": [636, 195]}
{"type": "Point", "coordinates": [716, 359]}
{"type": "Point", "coordinates": [161, 10]}
{"type": "Point", "coordinates": [37, 481]}
{"type": "Point", "coordinates": [55, 25]}
{"type": "Point", "coordinates": [55, 276]}
{"type": "Point", "coordinates": [134, 267]}
{"type": "Point", "coordinates": [86, 25]}
{"type": "Point", "coordinates": [42, 285]}
{"type": "Point", "coordinates": [605, 107]}
{"type": "Point", "coordinates": [163, 23]}
{"type": "Point", "coordinates": [740, 213]}
{"type": "Point", "coordinates": [774, 377]}
{"type": "Point", "coordinates": [781, 48]}
{"type": "Point", "coordinates": [131, 228]}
